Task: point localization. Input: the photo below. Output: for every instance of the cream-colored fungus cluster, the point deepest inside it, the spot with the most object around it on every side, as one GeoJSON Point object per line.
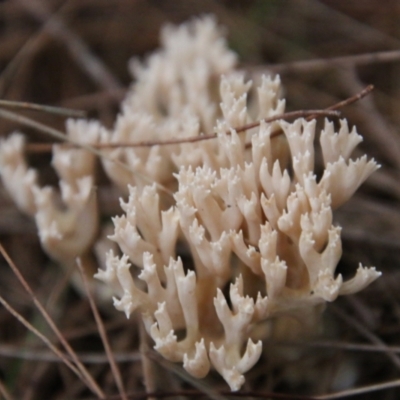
{"type": "Point", "coordinates": [248, 213]}
{"type": "Point", "coordinates": [248, 224]}
{"type": "Point", "coordinates": [65, 232]}
{"type": "Point", "coordinates": [173, 97]}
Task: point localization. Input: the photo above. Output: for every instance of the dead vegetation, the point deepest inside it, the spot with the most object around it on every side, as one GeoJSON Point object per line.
{"type": "Point", "coordinates": [74, 54]}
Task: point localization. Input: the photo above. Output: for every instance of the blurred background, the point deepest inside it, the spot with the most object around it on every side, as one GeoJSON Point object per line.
{"type": "Point", "coordinates": [75, 53]}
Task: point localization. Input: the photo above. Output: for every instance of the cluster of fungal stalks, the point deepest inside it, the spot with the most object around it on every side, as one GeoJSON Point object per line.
{"type": "Point", "coordinates": [247, 211]}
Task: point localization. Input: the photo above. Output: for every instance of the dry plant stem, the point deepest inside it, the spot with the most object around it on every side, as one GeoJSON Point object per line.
{"type": "Point", "coordinates": [385, 182]}
{"type": "Point", "coordinates": [365, 389]}
{"type": "Point", "coordinates": [336, 106]}
{"type": "Point", "coordinates": [79, 333]}
{"type": "Point", "coordinates": [358, 27]}
{"type": "Point", "coordinates": [190, 393]}
{"type": "Point", "coordinates": [176, 370]}
{"type": "Point", "coordinates": [38, 374]}
{"type": "Point", "coordinates": [288, 115]}
{"type": "Point", "coordinates": [334, 62]}
{"type": "Point", "coordinates": [387, 140]}
{"type": "Point", "coordinates": [103, 334]}
{"type": "Point", "coordinates": [97, 358]}
{"type": "Point", "coordinates": [59, 287]}
{"type": "Point", "coordinates": [78, 49]}
{"type": "Point", "coordinates": [65, 112]}
{"type": "Point", "coordinates": [29, 48]}
{"type": "Point", "coordinates": [11, 116]}
{"type": "Point", "coordinates": [72, 387]}
{"type": "Point", "coordinates": [96, 99]}
{"type": "Point", "coordinates": [329, 344]}
{"type": "Point", "coordinates": [147, 367]}
{"type": "Point", "coordinates": [45, 147]}
{"type": "Point", "coordinates": [352, 99]}
{"type": "Point", "coordinates": [85, 373]}
{"type": "Point", "coordinates": [43, 338]}
{"type": "Point", "coordinates": [364, 315]}
{"type": "Point", "coordinates": [42, 355]}
{"type": "Point", "coordinates": [366, 333]}
{"type": "Point", "coordinates": [9, 71]}
{"type": "Point", "coordinates": [4, 392]}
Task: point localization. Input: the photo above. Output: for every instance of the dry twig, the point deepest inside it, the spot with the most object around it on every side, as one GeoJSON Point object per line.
{"type": "Point", "coordinates": [81, 368]}
{"type": "Point", "coordinates": [103, 334]}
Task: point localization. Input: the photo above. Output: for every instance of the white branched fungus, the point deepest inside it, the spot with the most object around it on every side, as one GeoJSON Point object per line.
{"type": "Point", "coordinates": [279, 228]}
{"type": "Point", "coordinates": [259, 205]}
{"type": "Point", "coordinates": [247, 206]}
{"type": "Point", "coordinates": [65, 232]}
{"type": "Point", "coordinates": [174, 96]}
{"type": "Point", "coordinates": [18, 179]}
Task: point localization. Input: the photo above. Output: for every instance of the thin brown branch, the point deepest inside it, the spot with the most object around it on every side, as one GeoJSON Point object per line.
{"type": "Point", "coordinates": [366, 333]}
{"type": "Point", "coordinates": [329, 344]}
{"type": "Point", "coordinates": [182, 374]}
{"type": "Point", "coordinates": [93, 100]}
{"type": "Point", "coordinates": [198, 394]}
{"type": "Point", "coordinates": [386, 141]}
{"type": "Point", "coordinates": [241, 129]}
{"type": "Point", "coordinates": [103, 334]}
{"type": "Point", "coordinates": [80, 52]}
{"type": "Point", "coordinates": [310, 114]}
{"type": "Point", "coordinates": [39, 354]}
{"type": "Point", "coordinates": [147, 364]}
{"type": "Point", "coordinates": [45, 147]}
{"type": "Point", "coordinates": [350, 100]}
{"type": "Point", "coordinates": [33, 354]}
{"type": "Point", "coordinates": [361, 390]}
{"type": "Point", "coordinates": [4, 392]}
{"type": "Point", "coordinates": [334, 62]}
{"type": "Point", "coordinates": [85, 373]}
{"type": "Point", "coordinates": [65, 112]}
{"type": "Point", "coordinates": [29, 48]}
{"type": "Point", "coordinates": [289, 115]}
{"type": "Point", "coordinates": [42, 337]}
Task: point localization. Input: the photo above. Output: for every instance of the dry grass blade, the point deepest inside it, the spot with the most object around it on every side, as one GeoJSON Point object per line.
{"type": "Point", "coordinates": [86, 357]}
{"type": "Point", "coordinates": [199, 385]}
{"type": "Point", "coordinates": [190, 393]}
{"type": "Point", "coordinates": [42, 337]}
{"type": "Point", "coordinates": [330, 344]}
{"type": "Point", "coordinates": [149, 378]}
{"type": "Point", "coordinates": [65, 112]}
{"type": "Point", "coordinates": [103, 334]}
{"type": "Point", "coordinates": [89, 62]}
{"type": "Point", "coordinates": [4, 392]}
{"type": "Point", "coordinates": [366, 333]}
{"type": "Point", "coordinates": [335, 62]}
{"type": "Point", "coordinates": [10, 70]}
{"type": "Point", "coordinates": [85, 373]}
{"type": "Point", "coordinates": [362, 390]}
